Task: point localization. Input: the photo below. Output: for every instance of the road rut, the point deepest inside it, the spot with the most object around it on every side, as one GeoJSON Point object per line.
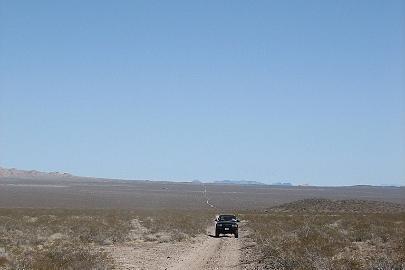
{"type": "Point", "coordinates": [212, 253]}
{"type": "Point", "coordinates": [204, 252]}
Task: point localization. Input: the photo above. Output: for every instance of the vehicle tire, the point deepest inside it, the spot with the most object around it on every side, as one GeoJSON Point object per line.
{"type": "Point", "coordinates": [236, 235]}
{"type": "Point", "coordinates": [216, 233]}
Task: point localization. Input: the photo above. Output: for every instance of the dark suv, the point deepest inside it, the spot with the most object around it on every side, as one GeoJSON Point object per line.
{"type": "Point", "coordinates": [226, 224]}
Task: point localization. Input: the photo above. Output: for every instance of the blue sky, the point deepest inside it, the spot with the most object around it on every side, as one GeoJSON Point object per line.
{"type": "Point", "coordinates": [300, 91]}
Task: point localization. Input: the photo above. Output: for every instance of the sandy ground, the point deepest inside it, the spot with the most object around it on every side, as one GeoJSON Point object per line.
{"type": "Point", "coordinates": [203, 252]}
{"type": "Point", "coordinates": [213, 253]}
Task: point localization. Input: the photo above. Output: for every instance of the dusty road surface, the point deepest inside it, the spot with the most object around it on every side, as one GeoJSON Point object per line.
{"type": "Point", "coordinates": [212, 253]}
{"type": "Point", "coordinates": [204, 252]}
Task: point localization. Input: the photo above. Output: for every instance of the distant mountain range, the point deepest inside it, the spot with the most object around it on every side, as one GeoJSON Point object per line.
{"type": "Point", "coordinates": [31, 174]}
{"type": "Point", "coordinates": [245, 182]}
{"type": "Point", "coordinates": [238, 182]}
{"type": "Point", "coordinates": [282, 184]}
{"type": "Point", "coordinates": [34, 174]}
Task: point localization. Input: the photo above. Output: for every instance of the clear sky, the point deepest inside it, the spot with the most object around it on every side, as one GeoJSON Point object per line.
{"type": "Point", "coordinates": [299, 91]}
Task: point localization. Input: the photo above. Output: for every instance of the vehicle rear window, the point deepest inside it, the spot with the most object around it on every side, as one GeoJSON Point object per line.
{"type": "Point", "coordinates": [227, 218]}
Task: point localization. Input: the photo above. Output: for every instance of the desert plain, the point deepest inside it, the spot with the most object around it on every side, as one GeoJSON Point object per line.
{"type": "Point", "coordinates": [91, 223]}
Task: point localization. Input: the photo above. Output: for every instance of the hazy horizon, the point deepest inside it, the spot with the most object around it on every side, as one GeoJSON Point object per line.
{"type": "Point", "coordinates": [282, 91]}
{"type": "Point", "coordinates": [209, 181]}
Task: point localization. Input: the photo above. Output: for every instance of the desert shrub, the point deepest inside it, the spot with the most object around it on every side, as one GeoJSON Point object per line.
{"type": "Point", "coordinates": [179, 223]}
{"type": "Point", "coordinates": [72, 238]}
{"type": "Point", "coordinates": [3, 261]}
{"type": "Point", "coordinates": [291, 239]}
{"type": "Point", "coordinates": [64, 255]}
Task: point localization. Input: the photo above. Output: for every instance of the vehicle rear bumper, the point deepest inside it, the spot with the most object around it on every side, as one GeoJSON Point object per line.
{"type": "Point", "coordinates": [224, 231]}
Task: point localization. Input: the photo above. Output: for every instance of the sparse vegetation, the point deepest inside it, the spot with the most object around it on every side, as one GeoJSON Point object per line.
{"type": "Point", "coordinates": [110, 221]}
{"type": "Point", "coordinates": [72, 239]}
{"type": "Point", "coordinates": [293, 236]}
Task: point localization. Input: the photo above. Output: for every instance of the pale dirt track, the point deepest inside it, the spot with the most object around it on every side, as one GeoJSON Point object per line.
{"type": "Point", "coordinates": [212, 253]}
{"type": "Point", "coordinates": [205, 252]}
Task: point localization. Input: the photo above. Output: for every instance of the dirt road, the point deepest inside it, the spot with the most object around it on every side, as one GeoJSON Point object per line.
{"type": "Point", "coordinates": [212, 253]}
{"type": "Point", "coordinates": [205, 252]}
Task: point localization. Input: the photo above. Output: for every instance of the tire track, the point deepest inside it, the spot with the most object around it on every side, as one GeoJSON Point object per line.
{"type": "Point", "coordinates": [207, 199]}
{"type": "Point", "coordinates": [212, 253]}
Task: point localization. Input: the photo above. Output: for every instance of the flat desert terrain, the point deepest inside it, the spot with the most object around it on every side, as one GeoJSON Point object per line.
{"type": "Point", "coordinates": [107, 193]}
{"type": "Point", "coordinates": [86, 223]}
